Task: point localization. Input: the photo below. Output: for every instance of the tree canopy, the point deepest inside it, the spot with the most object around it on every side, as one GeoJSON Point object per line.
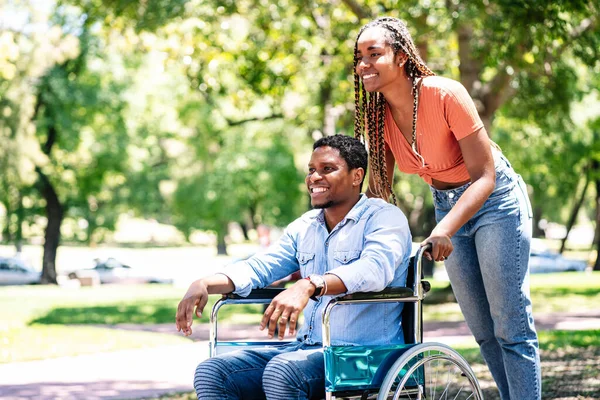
{"type": "Point", "coordinates": [198, 113]}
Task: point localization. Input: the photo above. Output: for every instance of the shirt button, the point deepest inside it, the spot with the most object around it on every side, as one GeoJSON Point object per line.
{"type": "Point", "coordinates": [451, 195]}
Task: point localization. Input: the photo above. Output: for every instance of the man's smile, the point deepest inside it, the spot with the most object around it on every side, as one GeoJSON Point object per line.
{"type": "Point", "coordinates": [316, 190]}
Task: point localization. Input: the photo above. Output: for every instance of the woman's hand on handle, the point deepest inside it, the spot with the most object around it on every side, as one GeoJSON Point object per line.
{"type": "Point", "coordinates": [441, 246]}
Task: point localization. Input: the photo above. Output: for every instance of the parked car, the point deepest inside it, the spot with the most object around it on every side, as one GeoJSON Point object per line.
{"type": "Point", "coordinates": [15, 271]}
{"type": "Point", "coordinates": [545, 261]}
{"type": "Point", "coordinates": [112, 270]}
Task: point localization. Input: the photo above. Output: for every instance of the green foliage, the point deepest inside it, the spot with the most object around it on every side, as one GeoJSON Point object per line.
{"type": "Point", "coordinates": [192, 112]}
{"type": "Point", "coordinates": [251, 178]}
{"type": "Point", "coordinates": [145, 16]}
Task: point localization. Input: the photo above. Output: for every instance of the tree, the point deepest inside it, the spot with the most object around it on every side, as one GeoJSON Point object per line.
{"type": "Point", "coordinates": [65, 104]}
{"type": "Point", "coordinates": [73, 108]}
{"type": "Point", "coordinates": [253, 176]}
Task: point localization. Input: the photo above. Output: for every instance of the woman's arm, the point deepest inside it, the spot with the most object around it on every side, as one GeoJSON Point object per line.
{"type": "Point", "coordinates": [390, 164]}
{"type": "Point", "coordinates": [479, 161]}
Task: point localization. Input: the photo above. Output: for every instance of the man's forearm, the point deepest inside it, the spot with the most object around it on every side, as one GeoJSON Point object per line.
{"type": "Point", "coordinates": [334, 284]}
{"type": "Point", "coordinates": [218, 284]}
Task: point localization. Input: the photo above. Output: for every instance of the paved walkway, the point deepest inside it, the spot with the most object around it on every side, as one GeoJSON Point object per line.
{"type": "Point", "coordinates": [148, 373]}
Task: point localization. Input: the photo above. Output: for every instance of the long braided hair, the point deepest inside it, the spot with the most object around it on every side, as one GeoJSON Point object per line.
{"type": "Point", "coordinates": [370, 107]}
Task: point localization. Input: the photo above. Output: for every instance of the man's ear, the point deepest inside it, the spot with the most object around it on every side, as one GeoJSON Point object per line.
{"type": "Point", "coordinates": [358, 176]}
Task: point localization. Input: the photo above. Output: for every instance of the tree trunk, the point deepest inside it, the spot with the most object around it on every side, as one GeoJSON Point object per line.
{"type": "Point", "coordinates": [6, 231]}
{"type": "Point", "coordinates": [54, 213]}
{"type": "Point", "coordinates": [469, 68]}
{"type": "Point", "coordinates": [91, 228]}
{"type": "Point", "coordinates": [20, 219]}
{"type": "Point", "coordinates": [244, 228]}
{"type": "Point", "coordinates": [537, 231]}
{"type": "Point", "coordinates": [595, 166]}
{"type": "Point", "coordinates": [574, 212]}
{"type": "Point", "coordinates": [221, 245]}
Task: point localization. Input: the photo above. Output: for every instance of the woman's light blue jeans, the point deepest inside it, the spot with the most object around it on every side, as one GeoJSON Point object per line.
{"type": "Point", "coordinates": [489, 272]}
{"type": "Point", "coordinates": [293, 371]}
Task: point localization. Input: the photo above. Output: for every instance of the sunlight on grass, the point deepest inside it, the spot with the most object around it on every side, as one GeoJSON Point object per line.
{"type": "Point", "coordinates": [106, 304]}
{"type": "Point", "coordinates": [38, 322]}
{"type": "Point", "coordinates": [38, 342]}
{"type": "Point", "coordinates": [20, 305]}
{"type": "Point", "coordinates": [549, 341]}
{"type": "Point", "coordinates": [442, 312]}
{"type": "Point", "coordinates": [566, 292]}
{"type": "Point", "coordinates": [48, 321]}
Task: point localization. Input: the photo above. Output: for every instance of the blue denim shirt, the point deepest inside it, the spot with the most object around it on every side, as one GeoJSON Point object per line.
{"type": "Point", "coordinates": [368, 250]}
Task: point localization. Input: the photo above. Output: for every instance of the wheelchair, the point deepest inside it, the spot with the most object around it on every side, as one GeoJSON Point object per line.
{"type": "Point", "coordinates": [413, 370]}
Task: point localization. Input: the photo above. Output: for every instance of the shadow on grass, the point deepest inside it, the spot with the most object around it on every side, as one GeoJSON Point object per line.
{"type": "Point", "coordinates": [148, 312]}
{"type": "Point", "coordinates": [570, 365]}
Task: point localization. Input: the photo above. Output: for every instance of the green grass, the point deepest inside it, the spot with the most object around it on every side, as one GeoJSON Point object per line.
{"type": "Point", "coordinates": [38, 322]}
{"type": "Point", "coordinates": [46, 321]}
{"type": "Point", "coordinates": [550, 341]}
{"type": "Point", "coordinates": [37, 342]}
{"type": "Point", "coordinates": [564, 292]}
{"type": "Point", "coordinates": [570, 361]}
{"type": "Point", "coordinates": [564, 375]}
{"type": "Point", "coordinates": [106, 304]}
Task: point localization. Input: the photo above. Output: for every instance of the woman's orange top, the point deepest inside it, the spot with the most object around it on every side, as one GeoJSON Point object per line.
{"type": "Point", "coordinates": [446, 114]}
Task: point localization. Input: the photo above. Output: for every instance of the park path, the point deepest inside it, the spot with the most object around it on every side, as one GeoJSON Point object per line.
{"type": "Point", "coordinates": [149, 373]}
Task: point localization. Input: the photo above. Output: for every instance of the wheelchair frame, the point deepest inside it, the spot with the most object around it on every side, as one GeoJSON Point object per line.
{"type": "Point", "coordinates": [405, 374]}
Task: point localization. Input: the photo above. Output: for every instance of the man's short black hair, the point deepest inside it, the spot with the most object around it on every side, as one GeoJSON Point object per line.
{"type": "Point", "coordinates": [352, 150]}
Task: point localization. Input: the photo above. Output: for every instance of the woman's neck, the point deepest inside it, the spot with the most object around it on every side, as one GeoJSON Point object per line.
{"type": "Point", "coordinates": [399, 96]}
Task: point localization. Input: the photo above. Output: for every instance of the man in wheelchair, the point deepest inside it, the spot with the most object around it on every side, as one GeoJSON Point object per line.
{"type": "Point", "coordinates": [348, 243]}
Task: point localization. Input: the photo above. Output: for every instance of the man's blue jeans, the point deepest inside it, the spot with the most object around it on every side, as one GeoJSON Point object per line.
{"type": "Point", "coordinates": [290, 372]}
{"type": "Point", "coordinates": [489, 271]}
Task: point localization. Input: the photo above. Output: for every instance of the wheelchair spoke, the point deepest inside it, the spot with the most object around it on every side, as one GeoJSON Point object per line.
{"type": "Point", "coordinates": [433, 374]}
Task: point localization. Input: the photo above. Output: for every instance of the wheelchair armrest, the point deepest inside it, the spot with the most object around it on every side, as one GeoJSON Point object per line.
{"type": "Point", "coordinates": [256, 294]}
{"type": "Point", "coordinates": [387, 293]}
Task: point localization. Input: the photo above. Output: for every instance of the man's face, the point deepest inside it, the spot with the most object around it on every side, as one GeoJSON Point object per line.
{"type": "Point", "coordinates": [329, 181]}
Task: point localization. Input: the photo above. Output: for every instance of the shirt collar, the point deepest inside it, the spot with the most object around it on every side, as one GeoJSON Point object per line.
{"type": "Point", "coordinates": [354, 214]}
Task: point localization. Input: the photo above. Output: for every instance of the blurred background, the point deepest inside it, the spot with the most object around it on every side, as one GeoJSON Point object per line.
{"type": "Point", "coordinates": [151, 141]}
{"type": "Point", "coordinates": [129, 128]}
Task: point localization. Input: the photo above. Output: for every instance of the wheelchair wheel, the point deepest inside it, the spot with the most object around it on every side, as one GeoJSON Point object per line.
{"type": "Point", "coordinates": [430, 371]}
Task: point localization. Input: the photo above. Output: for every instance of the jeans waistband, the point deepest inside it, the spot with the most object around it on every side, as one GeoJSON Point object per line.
{"type": "Point", "coordinates": [506, 179]}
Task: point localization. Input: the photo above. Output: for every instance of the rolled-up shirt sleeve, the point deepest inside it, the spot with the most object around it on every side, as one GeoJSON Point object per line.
{"type": "Point", "coordinates": [387, 244]}
{"type": "Point", "coordinates": [263, 269]}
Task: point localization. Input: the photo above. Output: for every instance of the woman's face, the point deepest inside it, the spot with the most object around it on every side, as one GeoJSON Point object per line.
{"type": "Point", "coordinates": [376, 63]}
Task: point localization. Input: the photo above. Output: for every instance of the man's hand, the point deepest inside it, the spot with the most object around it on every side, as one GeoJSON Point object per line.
{"type": "Point", "coordinates": [286, 308]}
{"type": "Point", "coordinates": [196, 296]}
